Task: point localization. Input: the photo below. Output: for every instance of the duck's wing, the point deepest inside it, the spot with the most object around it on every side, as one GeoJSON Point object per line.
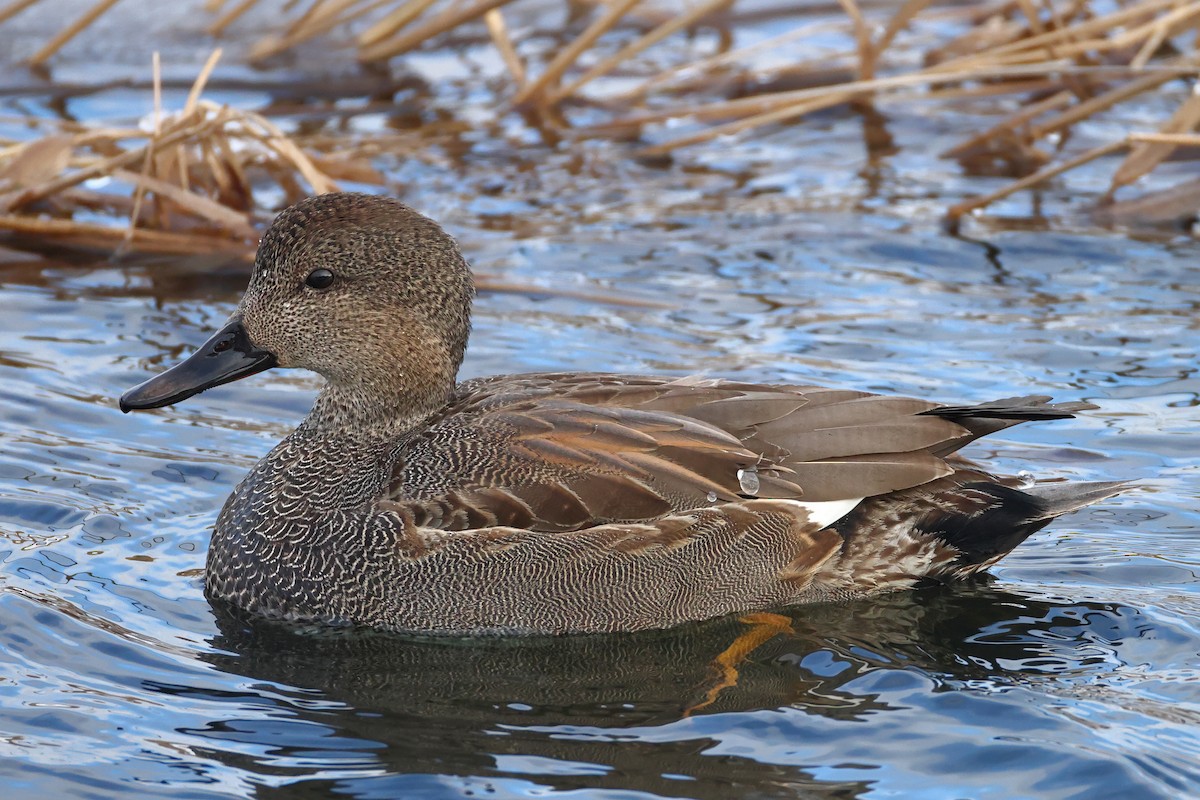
{"type": "Point", "coordinates": [557, 452]}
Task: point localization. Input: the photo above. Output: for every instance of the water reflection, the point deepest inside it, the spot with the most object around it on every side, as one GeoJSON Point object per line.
{"type": "Point", "coordinates": [616, 711]}
{"type": "Point", "coordinates": [186, 278]}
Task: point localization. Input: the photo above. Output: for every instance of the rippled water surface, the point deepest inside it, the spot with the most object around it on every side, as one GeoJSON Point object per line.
{"type": "Point", "coordinates": [802, 255]}
{"type": "Point", "coordinates": [1072, 674]}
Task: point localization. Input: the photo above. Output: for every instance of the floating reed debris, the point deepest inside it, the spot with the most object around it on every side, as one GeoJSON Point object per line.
{"type": "Point", "coordinates": [187, 185]}
{"type": "Point", "coordinates": [1054, 64]}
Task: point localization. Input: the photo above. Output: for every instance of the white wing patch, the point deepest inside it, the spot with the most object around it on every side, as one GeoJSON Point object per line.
{"type": "Point", "coordinates": [825, 512]}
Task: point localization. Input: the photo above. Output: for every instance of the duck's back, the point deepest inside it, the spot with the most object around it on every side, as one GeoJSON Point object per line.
{"type": "Point", "coordinates": [556, 452]}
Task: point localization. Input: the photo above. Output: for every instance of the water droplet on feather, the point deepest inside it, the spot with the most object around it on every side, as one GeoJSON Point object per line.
{"type": "Point", "coordinates": [712, 497]}
{"type": "Point", "coordinates": [748, 479]}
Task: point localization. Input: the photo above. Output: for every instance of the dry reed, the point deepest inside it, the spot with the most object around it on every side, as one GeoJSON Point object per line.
{"type": "Point", "coordinates": [1060, 62]}
{"type": "Point", "coordinates": [189, 182]}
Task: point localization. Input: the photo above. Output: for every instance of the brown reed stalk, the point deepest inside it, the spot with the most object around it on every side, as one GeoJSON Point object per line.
{"type": "Point", "coordinates": [980, 140]}
{"type": "Point", "coordinates": [321, 20]}
{"type": "Point", "coordinates": [87, 234]}
{"type": "Point", "coordinates": [494, 20]}
{"type": "Point", "coordinates": [672, 25]}
{"type": "Point", "coordinates": [761, 106]}
{"type": "Point", "coordinates": [231, 16]}
{"type": "Point", "coordinates": [393, 22]}
{"type": "Point", "coordinates": [235, 222]}
{"type": "Point", "coordinates": [959, 210]}
{"type": "Point", "coordinates": [24, 196]}
{"type": "Point", "coordinates": [416, 35]}
{"type": "Point", "coordinates": [903, 17]}
{"type": "Point", "coordinates": [71, 31]}
{"type": "Point", "coordinates": [14, 8]}
{"type": "Point", "coordinates": [703, 67]}
{"type": "Point", "coordinates": [139, 193]}
{"type": "Point", "coordinates": [862, 39]}
{"type": "Point", "coordinates": [1145, 155]}
{"type": "Point", "coordinates": [569, 54]}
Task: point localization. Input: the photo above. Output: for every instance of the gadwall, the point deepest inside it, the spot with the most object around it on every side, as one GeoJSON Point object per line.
{"type": "Point", "coordinates": [563, 502]}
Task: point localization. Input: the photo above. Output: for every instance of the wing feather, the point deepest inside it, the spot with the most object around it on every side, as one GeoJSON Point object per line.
{"type": "Point", "coordinates": [561, 452]}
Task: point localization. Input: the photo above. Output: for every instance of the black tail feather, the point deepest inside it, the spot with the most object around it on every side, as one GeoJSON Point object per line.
{"type": "Point", "coordinates": [1030, 407]}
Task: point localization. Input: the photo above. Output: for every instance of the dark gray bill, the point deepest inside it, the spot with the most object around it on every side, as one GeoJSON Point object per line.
{"type": "Point", "coordinates": [227, 356]}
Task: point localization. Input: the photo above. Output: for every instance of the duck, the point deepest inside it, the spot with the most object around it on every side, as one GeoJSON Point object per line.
{"type": "Point", "coordinates": [564, 502]}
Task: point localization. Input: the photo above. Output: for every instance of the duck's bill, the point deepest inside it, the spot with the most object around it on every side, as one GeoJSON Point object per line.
{"type": "Point", "coordinates": [227, 356]}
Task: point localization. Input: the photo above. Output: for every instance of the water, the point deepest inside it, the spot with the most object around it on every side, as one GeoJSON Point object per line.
{"type": "Point", "coordinates": [1073, 673]}
{"type": "Point", "coordinates": [804, 254]}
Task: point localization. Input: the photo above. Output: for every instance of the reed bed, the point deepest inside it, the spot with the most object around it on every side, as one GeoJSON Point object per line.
{"type": "Point", "coordinates": [1052, 64]}
{"type": "Point", "coordinates": [185, 184]}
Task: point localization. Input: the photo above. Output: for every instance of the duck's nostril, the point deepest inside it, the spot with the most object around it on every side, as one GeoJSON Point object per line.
{"type": "Point", "coordinates": [223, 345]}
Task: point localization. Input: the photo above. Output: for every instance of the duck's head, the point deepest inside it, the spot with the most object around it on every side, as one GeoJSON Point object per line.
{"type": "Point", "coordinates": [359, 288]}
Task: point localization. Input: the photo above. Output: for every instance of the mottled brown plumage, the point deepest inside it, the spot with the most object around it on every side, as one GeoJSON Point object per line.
{"type": "Point", "coordinates": [562, 502]}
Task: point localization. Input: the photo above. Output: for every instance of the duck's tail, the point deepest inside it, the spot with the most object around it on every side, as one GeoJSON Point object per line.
{"type": "Point", "coordinates": [997, 518]}
{"type": "Point", "coordinates": [1062, 497]}
{"type": "Point", "coordinates": [948, 529]}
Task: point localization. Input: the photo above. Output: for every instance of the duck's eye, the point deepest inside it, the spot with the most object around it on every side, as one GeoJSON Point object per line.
{"type": "Point", "coordinates": [319, 279]}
